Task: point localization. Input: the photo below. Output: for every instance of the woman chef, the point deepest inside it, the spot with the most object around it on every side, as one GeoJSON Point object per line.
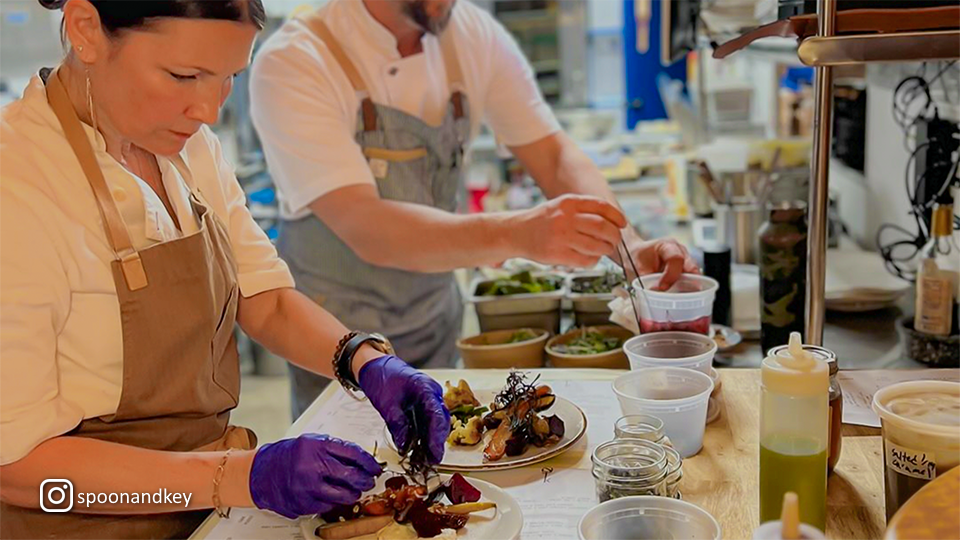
{"type": "Point", "coordinates": [127, 255]}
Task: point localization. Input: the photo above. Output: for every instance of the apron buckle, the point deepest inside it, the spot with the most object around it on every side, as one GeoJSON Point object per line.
{"type": "Point", "coordinates": [132, 267]}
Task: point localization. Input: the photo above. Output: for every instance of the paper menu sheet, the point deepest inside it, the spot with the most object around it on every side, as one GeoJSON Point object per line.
{"type": "Point", "coordinates": [859, 386]}
{"type": "Point", "coordinates": [552, 501]}
{"type": "Point", "coordinates": [253, 524]}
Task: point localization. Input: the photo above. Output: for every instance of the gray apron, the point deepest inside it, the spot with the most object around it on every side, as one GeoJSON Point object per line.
{"type": "Point", "coordinates": [412, 162]}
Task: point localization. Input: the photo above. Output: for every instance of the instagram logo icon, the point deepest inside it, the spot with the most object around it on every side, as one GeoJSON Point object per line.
{"type": "Point", "coordinates": [56, 495]}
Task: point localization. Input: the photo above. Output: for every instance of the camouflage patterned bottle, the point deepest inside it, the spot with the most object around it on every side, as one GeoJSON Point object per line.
{"type": "Point", "coordinates": [783, 273]}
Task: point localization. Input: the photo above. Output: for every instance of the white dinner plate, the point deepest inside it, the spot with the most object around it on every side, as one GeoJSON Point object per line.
{"type": "Point", "coordinates": [504, 522]}
{"type": "Point", "coordinates": [470, 458]}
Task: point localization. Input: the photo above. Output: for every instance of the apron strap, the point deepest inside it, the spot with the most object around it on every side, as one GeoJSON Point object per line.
{"type": "Point", "coordinates": [117, 233]}
{"type": "Point", "coordinates": [315, 23]}
{"type": "Point", "coordinates": [454, 74]}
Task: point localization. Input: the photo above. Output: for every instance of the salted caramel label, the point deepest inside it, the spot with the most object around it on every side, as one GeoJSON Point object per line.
{"type": "Point", "coordinates": [913, 463]}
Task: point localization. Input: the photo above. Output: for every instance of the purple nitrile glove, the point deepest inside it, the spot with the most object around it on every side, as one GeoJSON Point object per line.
{"type": "Point", "coordinates": [310, 475]}
{"type": "Point", "coordinates": [405, 396]}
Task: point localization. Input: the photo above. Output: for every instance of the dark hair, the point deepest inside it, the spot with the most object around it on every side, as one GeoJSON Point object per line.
{"type": "Point", "coordinates": [118, 15]}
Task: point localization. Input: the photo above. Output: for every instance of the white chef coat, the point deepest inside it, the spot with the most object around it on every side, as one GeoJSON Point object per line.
{"type": "Point", "coordinates": [61, 350]}
{"type": "Point", "coordinates": [305, 109]}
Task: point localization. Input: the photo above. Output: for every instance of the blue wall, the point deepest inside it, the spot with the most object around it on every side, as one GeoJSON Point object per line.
{"type": "Point", "coordinates": [643, 98]}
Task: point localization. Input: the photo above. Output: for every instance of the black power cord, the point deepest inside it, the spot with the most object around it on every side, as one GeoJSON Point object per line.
{"type": "Point", "coordinates": [913, 103]}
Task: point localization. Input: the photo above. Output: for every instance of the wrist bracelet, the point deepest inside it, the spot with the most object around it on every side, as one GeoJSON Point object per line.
{"type": "Point", "coordinates": [217, 478]}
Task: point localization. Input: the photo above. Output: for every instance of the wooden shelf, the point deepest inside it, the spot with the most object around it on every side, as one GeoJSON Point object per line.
{"type": "Point", "coordinates": [867, 48]}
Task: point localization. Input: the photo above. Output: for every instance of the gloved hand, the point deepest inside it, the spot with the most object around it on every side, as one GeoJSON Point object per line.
{"type": "Point", "coordinates": [310, 475]}
{"type": "Point", "coordinates": [406, 397]}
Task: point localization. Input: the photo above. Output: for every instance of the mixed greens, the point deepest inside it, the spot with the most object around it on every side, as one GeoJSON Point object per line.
{"type": "Point", "coordinates": [519, 283]}
{"type": "Point", "coordinates": [589, 343]}
{"type": "Point", "coordinates": [602, 284]}
{"type": "Point", "coordinates": [521, 335]}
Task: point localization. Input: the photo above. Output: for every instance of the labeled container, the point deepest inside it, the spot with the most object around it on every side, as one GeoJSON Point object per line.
{"type": "Point", "coordinates": [687, 306]}
{"type": "Point", "coordinates": [678, 396]}
{"type": "Point", "coordinates": [783, 274]}
{"type": "Point", "coordinates": [523, 310]}
{"type": "Point", "coordinates": [920, 423]}
{"type": "Point", "coordinates": [794, 433]}
{"type": "Point", "coordinates": [499, 350]}
{"type": "Point", "coordinates": [648, 518]}
{"type": "Point", "coordinates": [613, 359]}
{"type": "Point", "coordinates": [835, 399]}
{"type": "Point", "coordinates": [671, 349]}
{"type": "Point", "coordinates": [629, 467]}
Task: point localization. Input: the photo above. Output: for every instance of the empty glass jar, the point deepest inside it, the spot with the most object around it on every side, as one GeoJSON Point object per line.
{"type": "Point", "coordinates": [640, 426]}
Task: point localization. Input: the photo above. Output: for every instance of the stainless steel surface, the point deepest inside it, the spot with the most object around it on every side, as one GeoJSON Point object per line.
{"type": "Point", "coordinates": [860, 341]}
{"type": "Point", "coordinates": [899, 47]}
{"type": "Point", "coordinates": [819, 185]}
{"type": "Point", "coordinates": [737, 226]}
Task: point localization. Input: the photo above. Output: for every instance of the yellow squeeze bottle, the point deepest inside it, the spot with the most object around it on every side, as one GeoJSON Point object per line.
{"type": "Point", "coordinates": [794, 431]}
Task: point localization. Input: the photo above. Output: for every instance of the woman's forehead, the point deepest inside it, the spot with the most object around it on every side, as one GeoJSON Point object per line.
{"type": "Point", "coordinates": [211, 45]}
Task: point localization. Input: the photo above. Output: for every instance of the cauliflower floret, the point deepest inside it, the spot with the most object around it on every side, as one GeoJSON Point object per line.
{"type": "Point", "coordinates": [467, 434]}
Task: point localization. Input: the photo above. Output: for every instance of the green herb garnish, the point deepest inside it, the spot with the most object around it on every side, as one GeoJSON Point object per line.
{"type": "Point", "coordinates": [466, 412]}
{"type": "Point", "coordinates": [598, 284]}
{"type": "Point", "coordinates": [519, 283]}
{"type": "Point", "coordinates": [590, 343]}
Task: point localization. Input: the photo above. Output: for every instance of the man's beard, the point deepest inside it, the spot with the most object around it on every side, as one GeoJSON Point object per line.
{"type": "Point", "coordinates": [417, 11]}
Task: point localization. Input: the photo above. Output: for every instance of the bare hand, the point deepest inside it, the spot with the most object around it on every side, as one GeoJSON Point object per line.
{"type": "Point", "coordinates": [665, 255]}
{"type": "Point", "coordinates": [572, 230]}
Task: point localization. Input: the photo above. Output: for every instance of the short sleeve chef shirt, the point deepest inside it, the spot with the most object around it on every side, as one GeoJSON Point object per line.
{"type": "Point", "coordinates": [305, 109]}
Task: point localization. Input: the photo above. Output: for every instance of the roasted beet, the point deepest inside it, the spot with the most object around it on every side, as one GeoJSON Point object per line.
{"type": "Point", "coordinates": [396, 483]}
{"type": "Point", "coordinates": [460, 491]}
{"type": "Point", "coordinates": [517, 444]}
{"type": "Point", "coordinates": [491, 422]}
{"type": "Point", "coordinates": [429, 524]}
{"type": "Point", "coordinates": [557, 429]}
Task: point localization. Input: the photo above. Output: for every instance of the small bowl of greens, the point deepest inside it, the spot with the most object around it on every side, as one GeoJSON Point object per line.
{"type": "Point", "coordinates": [590, 347]}
{"type": "Point", "coordinates": [504, 349]}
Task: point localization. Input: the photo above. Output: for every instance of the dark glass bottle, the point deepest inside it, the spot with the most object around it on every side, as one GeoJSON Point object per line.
{"type": "Point", "coordinates": [783, 274]}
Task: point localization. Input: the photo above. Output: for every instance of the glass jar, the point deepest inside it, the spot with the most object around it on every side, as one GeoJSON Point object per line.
{"type": "Point", "coordinates": [640, 426]}
{"type": "Point", "coordinates": [627, 467]}
{"type": "Point", "coordinates": [836, 414]}
{"type": "Point", "coordinates": [674, 472]}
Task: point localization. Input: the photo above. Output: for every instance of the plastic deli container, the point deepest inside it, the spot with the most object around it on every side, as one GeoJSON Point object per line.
{"type": "Point", "coordinates": [920, 422]}
{"type": "Point", "coordinates": [686, 307]}
{"type": "Point", "coordinates": [678, 396]}
{"type": "Point", "coordinates": [648, 518]}
{"type": "Point", "coordinates": [671, 349]}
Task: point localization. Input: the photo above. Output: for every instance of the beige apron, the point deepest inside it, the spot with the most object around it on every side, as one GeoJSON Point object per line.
{"type": "Point", "coordinates": [181, 377]}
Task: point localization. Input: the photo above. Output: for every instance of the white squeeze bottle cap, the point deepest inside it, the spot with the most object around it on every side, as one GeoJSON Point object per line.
{"type": "Point", "coordinates": [789, 526]}
{"type": "Point", "coordinates": [795, 372]}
